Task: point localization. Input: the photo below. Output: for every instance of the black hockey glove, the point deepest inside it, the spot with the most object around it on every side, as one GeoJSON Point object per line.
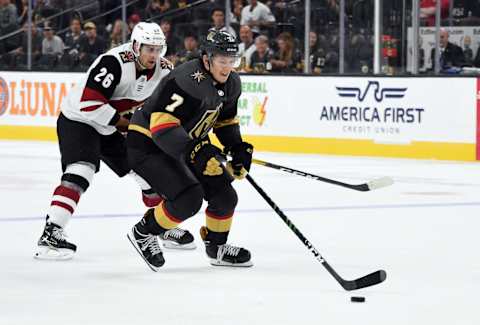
{"type": "Point", "coordinates": [203, 159]}
{"type": "Point", "coordinates": [241, 154]}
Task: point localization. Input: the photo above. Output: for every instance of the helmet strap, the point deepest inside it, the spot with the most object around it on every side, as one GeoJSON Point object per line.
{"type": "Point", "coordinates": [139, 64]}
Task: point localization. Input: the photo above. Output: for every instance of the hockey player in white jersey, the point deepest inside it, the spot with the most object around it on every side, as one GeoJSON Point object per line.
{"type": "Point", "coordinates": [90, 126]}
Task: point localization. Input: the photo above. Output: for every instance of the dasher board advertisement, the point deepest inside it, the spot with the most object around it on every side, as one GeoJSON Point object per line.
{"type": "Point", "coordinates": [385, 110]}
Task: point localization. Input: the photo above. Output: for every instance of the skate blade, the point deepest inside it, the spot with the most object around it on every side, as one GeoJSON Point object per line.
{"type": "Point", "coordinates": [53, 254]}
{"type": "Point", "coordinates": [215, 262]}
{"type": "Point", "coordinates": [174, 245]}
{"type": "Point", "coordinates": [132, 240]}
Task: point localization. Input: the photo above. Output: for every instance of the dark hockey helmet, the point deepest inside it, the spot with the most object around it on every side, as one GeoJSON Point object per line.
{"type": "Point", "coordinates": [220, 43]}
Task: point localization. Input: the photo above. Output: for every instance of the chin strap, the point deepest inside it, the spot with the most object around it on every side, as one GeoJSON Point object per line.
{"type": "Point", "coordinates": [141, 66]}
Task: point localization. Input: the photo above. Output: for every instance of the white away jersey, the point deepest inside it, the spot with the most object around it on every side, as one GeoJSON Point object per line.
{"type": "Point", "coordinates": [112, 87]}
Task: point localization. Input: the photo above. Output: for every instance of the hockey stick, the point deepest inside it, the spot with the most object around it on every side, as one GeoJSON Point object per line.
{"type": "Point", "coordinates": [369, 186]}
{"type": "Point", "coordinates": [365, 281]}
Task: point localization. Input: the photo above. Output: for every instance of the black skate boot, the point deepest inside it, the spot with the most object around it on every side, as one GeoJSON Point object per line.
{"type": "Point", "coordinates": [52, 245]}
{"type": "Point", "coordinates": [225, 254]}
{"type": "Point", "coordinates": [177, 238]}
{"type": "Point", "coordinates": [146, 245]}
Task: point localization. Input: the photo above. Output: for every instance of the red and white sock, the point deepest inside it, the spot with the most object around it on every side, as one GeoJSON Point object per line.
{"type": "Point", "coordinates": [63, 205]}
{"type": "Point", "coordinates": [151, 200]}
{"type": "Point", "coordinates": [149, 197]}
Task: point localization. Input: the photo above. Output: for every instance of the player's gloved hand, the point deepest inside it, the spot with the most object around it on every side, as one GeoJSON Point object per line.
{"type": "Point", "coordinates": [241, 154]}
{"type": "Point", "coordinates": [203, 159]}
{"type": "Point", "coordinates": [122, 124]}
{"type": "Point", "coordinates": [127, 115]}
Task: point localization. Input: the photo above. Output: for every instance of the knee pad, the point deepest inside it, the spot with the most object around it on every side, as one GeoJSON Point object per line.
{"type": "Point", "coordinates": [187, 203]}
{"type": "Point", "coordinates": [78, 176]}
{"type": "Point", "coordinates": [224, 201]}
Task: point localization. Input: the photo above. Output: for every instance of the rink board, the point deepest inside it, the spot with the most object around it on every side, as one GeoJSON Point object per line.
{"type": "Point", "coordinates": [430, 118]}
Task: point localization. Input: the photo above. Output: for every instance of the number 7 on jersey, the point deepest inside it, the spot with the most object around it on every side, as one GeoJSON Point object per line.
{"type": "Point", "coordinates": [177, 101]}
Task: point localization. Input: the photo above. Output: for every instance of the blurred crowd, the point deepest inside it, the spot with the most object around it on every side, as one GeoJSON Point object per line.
{"type": "Point", "coordinates": [68, 35]}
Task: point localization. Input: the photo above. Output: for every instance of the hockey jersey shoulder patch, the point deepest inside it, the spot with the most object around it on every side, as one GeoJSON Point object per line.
{"type": "Point", "coordinates": [126, 56]}
{"type": "Point", "coordinates": [166, 64]}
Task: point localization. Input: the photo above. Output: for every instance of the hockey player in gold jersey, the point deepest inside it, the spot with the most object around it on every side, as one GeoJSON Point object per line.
{"type": "Point", "coordinates": [169, 146]}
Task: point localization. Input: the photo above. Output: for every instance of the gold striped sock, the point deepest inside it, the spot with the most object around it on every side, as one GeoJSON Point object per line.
{"type": "Point", "coordinates": [165, 219]}
{"type": "Point", "coordinates": [219, 223]}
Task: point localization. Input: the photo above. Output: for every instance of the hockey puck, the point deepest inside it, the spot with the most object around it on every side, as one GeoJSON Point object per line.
{"type": "Point", "coordinates": [357, 299]}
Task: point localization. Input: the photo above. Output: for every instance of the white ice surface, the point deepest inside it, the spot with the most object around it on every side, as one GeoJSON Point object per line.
{"type": "Point", "coordinates": [423, 230]}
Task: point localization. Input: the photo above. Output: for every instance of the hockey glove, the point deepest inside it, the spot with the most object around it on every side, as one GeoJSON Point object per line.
{"type": "Point", "coordinates": [241, 154]}
{"type": "Point", "coordinates": [203, 159]}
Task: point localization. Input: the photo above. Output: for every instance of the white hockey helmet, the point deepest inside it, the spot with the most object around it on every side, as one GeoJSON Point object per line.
{"type": "Point", "coordinates": [149, 34]}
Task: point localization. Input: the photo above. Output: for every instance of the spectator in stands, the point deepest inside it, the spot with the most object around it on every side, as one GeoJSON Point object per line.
{"type": "Point", "coordinates": [45, 9]}
{"type": "Point", "coordinates": [86, 8]}
{"type": "Point", "coordinates": [261, 57]}
{"type": "Point", "coordinates": [91, 45]}
{"type": "Point", "coordinates": [459, 9]}
{"type": "Point", "coordinates": [157, 7]}
{"type": "Point", "coordinates": [466, 12]}
{"type": "Point", "coordinates": [18, 56]}
{"type": "Point", "coordinates": [247, 45]}
{"type": "Point", "coordinates": [182, 17]}
{"type": "Point", "coordinates": [73, 36]}
{"type": "Point", "coordinates": [58, 6]}
{"type": "Point", "coordinates": [428, 10]}
{"type": "Point", "coordinates": [37, 42]}
{"type": "Point", "coordinates": [331, 9]}
{"type": "Point", "coordinates": [8, 24]}
{"type": "Point", "coordinates": [132, 21]}
{"type": "Point", "coordinates": [52, 44]}
{"type": "Point", "coordinates": [237, 11]}
{"type": "Point", "coordinates": [473, 8]}
{"type": "Point", "coordinates": [173, 42]}
{"type": "Point", "coordinates": [286, 10]}
{"type": "Point", "coordinates": [331, 61]}
{"type": "Point", "coordinates": [421, 54]}
{"type": "Point", "coordinates": [317, 53]}
{"type": "Point", "coordinates": [451, 55]}
{"type": "Point", "coordinates": [258, 16]}
{"type": "Point", "coordinates": [190, 50]}
{"type": "Point", "coordinates": [116, 36]}
{"type": "Point", "coordinates": [360, 11]}
{"type": "Point", "coordinates": [286, 59]}
{"type": "Point", "coordinates": [52, 48]}
{"type": "Point", "coordinates": [476, 61]}
{"type": "Point", "coordinates": [23, 10]}
{"type": "Point", "coordinates": [218, 20]}
{"type": "Point", "coordinates": [467, 50]}
{"type": "Point", "coordinates": [360, 54]}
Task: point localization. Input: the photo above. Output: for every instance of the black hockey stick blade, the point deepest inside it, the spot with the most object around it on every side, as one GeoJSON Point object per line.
{"type": "Point", "coordinates": [365, 281]}
{"type": "Point", "coordinates": [374, 184]}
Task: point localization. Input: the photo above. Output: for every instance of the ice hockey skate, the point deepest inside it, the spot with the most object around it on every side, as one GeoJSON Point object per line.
{"type": "Point", "coordinates": [52, 245]}
{"type": "Point", "coordinates": [147, 246]}
{"type": "Point", "coordinates": [178, 238]}
{"type": "Point", "coordinates": [226, 254]}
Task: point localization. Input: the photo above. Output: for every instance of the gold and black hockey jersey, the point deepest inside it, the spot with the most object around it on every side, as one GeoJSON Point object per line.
{"type": "Point", "coordinates": [186, 105]}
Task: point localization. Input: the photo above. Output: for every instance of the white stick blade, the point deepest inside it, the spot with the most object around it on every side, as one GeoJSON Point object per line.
{"type": "Point", "coordinates": [380, 182]}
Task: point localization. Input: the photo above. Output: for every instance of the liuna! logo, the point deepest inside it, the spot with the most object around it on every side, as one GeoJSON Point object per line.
{"type": "Point", "coordinates": [3, 96]}
{"type": "Point", "coordinates": [379, 93]}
